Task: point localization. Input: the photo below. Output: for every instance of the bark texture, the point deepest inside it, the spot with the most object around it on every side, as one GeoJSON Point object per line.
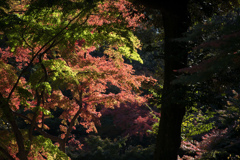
{"type": "Point", "coordinates": [176, 21]}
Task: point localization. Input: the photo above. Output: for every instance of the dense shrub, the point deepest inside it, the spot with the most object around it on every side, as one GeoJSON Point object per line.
{"type": "Point", "coordinates": [96, 148]}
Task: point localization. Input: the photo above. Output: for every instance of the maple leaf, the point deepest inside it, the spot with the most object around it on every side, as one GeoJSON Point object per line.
{"type": "Point", "coordinates": [49, 54]}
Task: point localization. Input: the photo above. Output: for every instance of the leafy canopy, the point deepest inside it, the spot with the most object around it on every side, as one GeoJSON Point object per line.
{"type": "Point", "coordinates": [48, 53]}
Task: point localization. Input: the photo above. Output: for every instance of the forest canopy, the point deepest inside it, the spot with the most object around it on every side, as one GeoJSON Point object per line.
{"type": "Point", "coordinates": [119, 79]}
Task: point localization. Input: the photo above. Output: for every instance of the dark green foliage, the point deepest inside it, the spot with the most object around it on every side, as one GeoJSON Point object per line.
{"type": "Point", "coordinates": [139, 153]}
{"type": "Point", "coordinates": [105, 149]}
{"type": "Point", "coordinates": [200, 10]}
{"type": "Point", "coordinates": [215, 48]}
{"type": "Point", "coordinates": [213, 79]}
{"type": "Point", "coordinates": [151, 52]}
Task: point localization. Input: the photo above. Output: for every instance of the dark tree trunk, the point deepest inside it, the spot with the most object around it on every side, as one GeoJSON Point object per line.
{"type": "Point", "coordinates": [4, 106]}
{"type": "Point", "coordinates": [176, 21]}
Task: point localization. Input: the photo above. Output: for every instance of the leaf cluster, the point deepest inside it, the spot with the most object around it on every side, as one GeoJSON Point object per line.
{"type": "Point", "coordinates": [114, 150]}
{"type": "Point", "coordinates": [215, 49]}
{"type": "Point", "coordinates": [49, 53]}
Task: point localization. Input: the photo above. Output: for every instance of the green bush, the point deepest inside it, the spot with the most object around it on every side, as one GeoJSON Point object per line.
{"type": "Point", "coordinates": [96, 148]}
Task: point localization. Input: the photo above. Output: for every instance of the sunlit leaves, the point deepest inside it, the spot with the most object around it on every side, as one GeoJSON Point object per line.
{"type": "Point", "coordinates": [60, 74]}
{"type": "Point", "coordinates": [7, 79]}
{"type": "Point", "coordinates": [196, 123]}
{"type": "Point", "coordinates": [47, 149]}
{"type": "Point", "coordinates": [49, 65]}
{"type": "Point", "coordinates": [41, 25]}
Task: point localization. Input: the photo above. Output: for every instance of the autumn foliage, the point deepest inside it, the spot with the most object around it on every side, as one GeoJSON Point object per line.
{"type": "Point", "coordinates": [48, 55]}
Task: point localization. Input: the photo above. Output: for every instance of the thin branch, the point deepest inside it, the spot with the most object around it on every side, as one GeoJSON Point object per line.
{"type": "Point", "coordinates": [27, 43]}
{"type": "Point", "coordinates": [25, 69]}
{"type": "Point", "coordinates": [22, 116]}
{"type": "Point", "coordinates": [16, 12]}
{"type": "Point", "coordinates": [33, 120]}
{"type": "Point", "coordinates": [75, 117]}
{"type": "Point", "coordinates": [51, 45]}
{"type": "Point", "coordinates": [10, 113]}
{"type": "Point", "coordinates": [45, 134]}
{"type": "Point", "coordinates": [45, 80]}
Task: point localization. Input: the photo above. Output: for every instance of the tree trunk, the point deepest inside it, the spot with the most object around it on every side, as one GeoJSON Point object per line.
{"type": "Point", "coordinates": [176, 21]}
{"type": "Point", "coordinates": [4, 106]}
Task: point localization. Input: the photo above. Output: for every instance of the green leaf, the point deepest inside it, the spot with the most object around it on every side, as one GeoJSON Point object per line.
{"type": "Point", "coordinates": [53, 152]}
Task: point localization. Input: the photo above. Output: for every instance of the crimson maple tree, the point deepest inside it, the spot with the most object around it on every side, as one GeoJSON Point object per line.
{"type": "Point", "coordinates": [49, 52]}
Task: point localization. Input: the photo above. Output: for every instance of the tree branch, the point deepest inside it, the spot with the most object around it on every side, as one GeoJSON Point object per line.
{"type": "Point", "coordinates": [22, 154]}
{"type": "Point", "coordinates": [75, 117]}
{"type": "Point", "coordinates": [45, 134]}
{"type": "Point", "coordinates": [53, 40]}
